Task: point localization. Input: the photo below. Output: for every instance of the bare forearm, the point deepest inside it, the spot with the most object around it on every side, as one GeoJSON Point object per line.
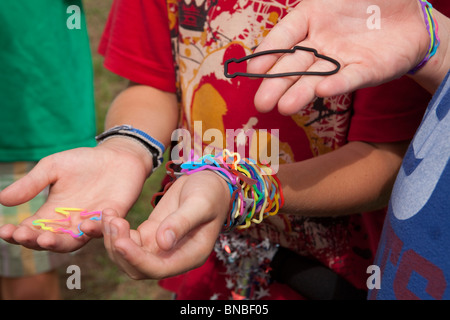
{"type": "Point", "coordinates": [148, 109]}
{"type": "Point", "coordinates": [355, 178]}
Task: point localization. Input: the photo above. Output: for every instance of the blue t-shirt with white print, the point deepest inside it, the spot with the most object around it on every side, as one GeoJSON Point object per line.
{"type": "Point", "coordinates": [414, 251]}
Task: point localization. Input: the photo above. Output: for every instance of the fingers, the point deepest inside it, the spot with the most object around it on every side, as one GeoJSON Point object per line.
{"type": "Point", "coordinates": [179, 234]}
{"type": "Point", "coordinates": [284, 35]}
{"type": "Point", "coordinates": [30, 185]}
{"type": "Point", "coordinates": [60, 242]}
{"type": "Point", "coordinates": [122, 250]}
{"type": "Point", "coordinates": [26, 237]}
{"type": "Point", "coordinates": [142, 254]}
{"type": "Point", "coordinates": [6, 233]}
{"type": "Point", "coordinates": [348, 79]}
{"type": "Point", "coordinates": [291, 94]}
{"type": "Point", "coordinates": [107, 216]}
{"type": "Point", "coordinates": [38, 240]}
{"type": "Point", "coordinates": [271, 90]}
{"type": "Point", "coordinates": [36, 237]}
{"type": "Point", "coordinates": [91, 228]}
{"type": "Point", "coordinates": [203, 200]}
{"type": "Point", "coordinates": [20, 235]}
{"type": "Point", "coordinates": [304, 90]}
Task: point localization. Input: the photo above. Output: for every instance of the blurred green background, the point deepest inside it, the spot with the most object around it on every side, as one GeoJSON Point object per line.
{"type": "Point", "coordinates": [100, 278]}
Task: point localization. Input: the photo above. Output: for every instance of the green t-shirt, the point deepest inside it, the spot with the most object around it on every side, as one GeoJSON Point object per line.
{"type": "Point", "coordinates": [46, 79]}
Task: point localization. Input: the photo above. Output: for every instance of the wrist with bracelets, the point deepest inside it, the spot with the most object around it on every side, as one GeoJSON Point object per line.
{"type": "Point", "coordinates": [153, 146]}
{"type": "Point", "coordinates": [255, 190]}
{"type": "Point", "coordinates": [433, 30]}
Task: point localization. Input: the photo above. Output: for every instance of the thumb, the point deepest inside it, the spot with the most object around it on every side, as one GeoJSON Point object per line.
{"type": "Point", "coordinates": [30, 185]}
{"type": "Point", "coordinates": [187, 218]}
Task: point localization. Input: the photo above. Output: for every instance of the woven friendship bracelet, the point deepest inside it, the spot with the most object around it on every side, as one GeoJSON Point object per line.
{"type": "Point", "coordinates": [255, 190]}
{"type": "Point", "coordinates": [433, 30]}
{"type": "Point", "coordinates": [155, 147]}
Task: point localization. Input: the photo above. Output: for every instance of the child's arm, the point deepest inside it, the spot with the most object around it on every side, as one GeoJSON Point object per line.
{"type": "Point", "coordinates": [110, 175]}
{"type": "Point", "coordinates": [358, 177]}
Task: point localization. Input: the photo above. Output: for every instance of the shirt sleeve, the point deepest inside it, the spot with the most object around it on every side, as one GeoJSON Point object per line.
{"type": "Point", "coordinates": [136, 43]}
{"type": "Point", "coordinates": [391, 112]}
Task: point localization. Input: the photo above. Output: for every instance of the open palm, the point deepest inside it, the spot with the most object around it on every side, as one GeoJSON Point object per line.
{"type": "Point", "coordinates": [88, 178]}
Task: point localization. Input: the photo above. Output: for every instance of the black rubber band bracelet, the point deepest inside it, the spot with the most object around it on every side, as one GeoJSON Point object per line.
{"type": "Point", "coordinates": [286, 74]}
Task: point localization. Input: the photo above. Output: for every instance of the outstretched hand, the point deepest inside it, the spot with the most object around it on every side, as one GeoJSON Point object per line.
{"type": "Point", "coordinates": [339, 29]}
{"type": "Point", "coordinates": [88, 178]}
{"type": "Point", "coordinates": [179, 234]}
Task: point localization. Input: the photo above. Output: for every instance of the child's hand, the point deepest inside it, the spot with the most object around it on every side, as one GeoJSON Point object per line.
{"type": "Point", "coordinates": [90, 178]}
{"type": "Point", "coordinates": [178, 236]}
{"type": "Point", "coordinates": [341, 30]}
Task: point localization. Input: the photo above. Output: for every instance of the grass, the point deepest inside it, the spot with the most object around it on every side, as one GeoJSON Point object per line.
{"type": "Point", "coordinates": [100, 278]}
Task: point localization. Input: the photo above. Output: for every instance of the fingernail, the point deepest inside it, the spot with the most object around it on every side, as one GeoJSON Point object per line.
{"type": "Point", "coordinates": [170, 238]}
